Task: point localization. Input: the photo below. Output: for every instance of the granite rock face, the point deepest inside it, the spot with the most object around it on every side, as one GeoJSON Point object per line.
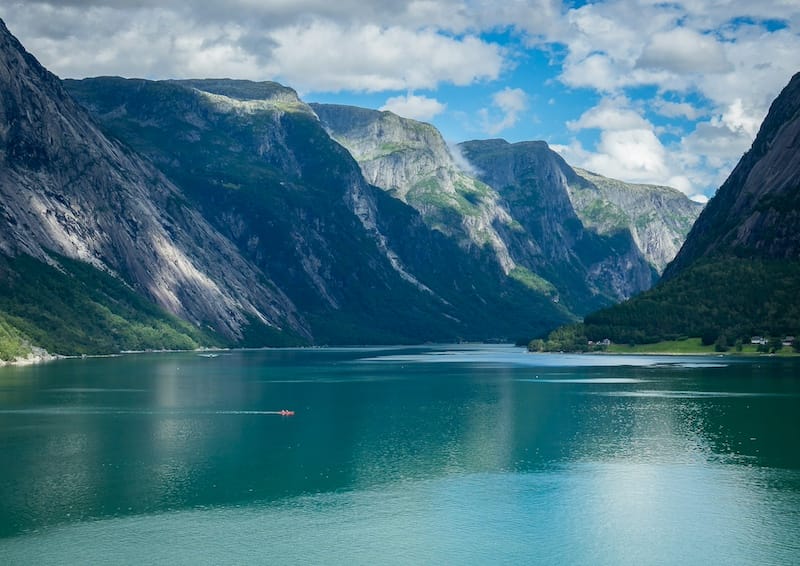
{"type": "Point", "coordinates": [658, 217]}
{"type": "Point", "coordinates": [534, 182]}
{"type": "Point", "coordinates": [412, 162]}
{"type": "Point", "coordinates": [568, 233]}
{"type": "Point", "coordinates": [68, 189]}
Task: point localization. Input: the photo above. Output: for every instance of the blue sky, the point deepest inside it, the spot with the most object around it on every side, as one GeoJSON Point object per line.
{"type": "Point", "coordinates": [640, 90]}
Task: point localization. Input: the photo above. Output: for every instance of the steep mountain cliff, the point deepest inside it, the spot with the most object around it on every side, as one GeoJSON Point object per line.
{"type": "Point", "coordinates": [534, 231]}
{"type": "Point", "coordinates": [588, 269]}
{"type": "Point", "coordinates": [360, 265]}
{"type": "Point", "coordinates": [66, 190]}
{"type": "Point", "coordinates": [738, 273]}
{"type": "Point", "coordinates": [657, 217]}
{"type": "Point", "coordinates": [411, 161]}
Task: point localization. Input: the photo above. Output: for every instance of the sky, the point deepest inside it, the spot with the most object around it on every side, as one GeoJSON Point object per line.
{"type": "Point", "coordinates": [646, 91]}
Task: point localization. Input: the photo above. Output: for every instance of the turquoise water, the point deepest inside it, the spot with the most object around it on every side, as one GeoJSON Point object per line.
{"type": "Point", "coordinates": [440, 455]}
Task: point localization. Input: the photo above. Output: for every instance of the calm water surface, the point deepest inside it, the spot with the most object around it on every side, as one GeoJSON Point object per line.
{"type": "Point", "coordinates": [459, 455]}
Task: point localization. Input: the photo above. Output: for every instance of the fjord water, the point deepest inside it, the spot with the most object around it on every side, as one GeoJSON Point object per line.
{"type": "Point", "coordinates": [427, 455]}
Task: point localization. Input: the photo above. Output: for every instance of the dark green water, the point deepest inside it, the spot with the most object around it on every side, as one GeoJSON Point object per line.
{"type": "Point", "coordinates": [462, 455]}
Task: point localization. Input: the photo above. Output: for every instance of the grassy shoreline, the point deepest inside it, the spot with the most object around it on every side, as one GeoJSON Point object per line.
{"type": "Point", "coordinates": [692, 346]}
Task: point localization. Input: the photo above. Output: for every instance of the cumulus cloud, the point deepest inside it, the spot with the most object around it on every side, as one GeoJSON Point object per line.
{"type": "Point", "coordinates": [635, 155]}
{"type": "Point", "coordinates": [722, 53]}
{"type": "Point", "coordinates": [629, 148]}
{"type": "Point", "coordinates": [677, 109]}
{"type": "Point", "coordinates": [715, 144]}
{"type": "Point", "coordinates": [324, 56]}
{"type": "Point", "coordinates": [314, 51]}
{"type": "Point", "coordinates": [510, 102]}
{"type": "Point", "coordinates": [683, 50]}
{"type": "Point", "coordinates": [414, 106]}
{"type": "Point", "coordinates": [610, 114]}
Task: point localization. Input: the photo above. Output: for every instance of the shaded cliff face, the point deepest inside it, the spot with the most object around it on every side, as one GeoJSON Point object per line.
{"type": "Point", "coordinates": [588, 268]}
{"type": "Point", "coordinates": [361, 266]}
{"type": "Point", "coordinates": [66, 189]}
{"type": "Point", "coordinates": [658, 218]}
{"type": "Point", "coordinates": [756, 212]}
{"type": "Point", "coordinates": [411, 161]}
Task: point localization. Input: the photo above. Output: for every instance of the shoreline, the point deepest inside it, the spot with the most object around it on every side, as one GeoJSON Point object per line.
{"type": "Point", "coordinates": [41, 356]}
{"type": "Point", "coordinates": [35, 357]}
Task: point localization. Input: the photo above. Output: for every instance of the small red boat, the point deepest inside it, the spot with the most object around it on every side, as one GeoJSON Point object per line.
{"type": "Point", "coordinates": [285, 413]}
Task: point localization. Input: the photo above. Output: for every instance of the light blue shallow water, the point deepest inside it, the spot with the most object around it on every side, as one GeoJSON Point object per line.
{"type": "Point", "coordinates": [458, 455]}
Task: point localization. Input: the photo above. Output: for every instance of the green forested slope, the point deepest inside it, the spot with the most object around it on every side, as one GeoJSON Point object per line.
{"type": "Point", "coordinates": [82, 310]}
{"type": "Point", "coordinates": [731, 297]}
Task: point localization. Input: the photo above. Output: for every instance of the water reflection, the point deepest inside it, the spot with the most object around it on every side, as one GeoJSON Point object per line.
{"type": "Point", "coordinates": [152, 433]}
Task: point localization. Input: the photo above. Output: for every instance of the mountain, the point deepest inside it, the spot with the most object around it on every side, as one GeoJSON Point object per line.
{"type": "Point", "coordinates": [68, 192]}
{"type": "Point", "coordinates": [533, 229]}
{"type": "Point", "coordinates": [589, 269]}
{"type": "Point", "coordinates": [359, 264]}
{"type": "Point", "coordinates": [756, 212]}
{"type": "Point", "coordinates": [658, 217]}
{"type": "Point", "coordinates": [175, 214]}
{"type": "Point", "coordinates": [411, 161]}
{"type": "Point", "coordinates": [738, 273]}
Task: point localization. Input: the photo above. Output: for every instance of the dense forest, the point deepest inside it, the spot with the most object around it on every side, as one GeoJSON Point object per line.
{"type": "Point", "coordinates": [722, 301]}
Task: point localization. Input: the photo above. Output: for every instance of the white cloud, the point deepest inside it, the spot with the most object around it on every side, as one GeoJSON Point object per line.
{"type": "Point", "coordinates": [714, 148]}
{"type": "Point", "coordinates": [677, 109]}
{"type": "Point", "coordinates": [610, 114]}
{"type": "Point", "coordinates": [510, 102]}
{"type": "Point", "coordinates": [414, 106]}
{"type": "Point", "coordinates": [634, 155]}
{"type": "Point", "coordinates": [303, 49]}
{"type": "Point", "coordinates": [325, 56]}
{"type": "Point", "coordinates": [628, 148]}
{"type": "Point", "coordinates": [721, 53]}
{"type": "Point", "coordinates": [683, 50]}
{"type": "Point", "coordinates": [462, 162]}
{"type": "Point", "coordinates": [737, 119]}
{"type": "Point", "coordinates": [597, 71]}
